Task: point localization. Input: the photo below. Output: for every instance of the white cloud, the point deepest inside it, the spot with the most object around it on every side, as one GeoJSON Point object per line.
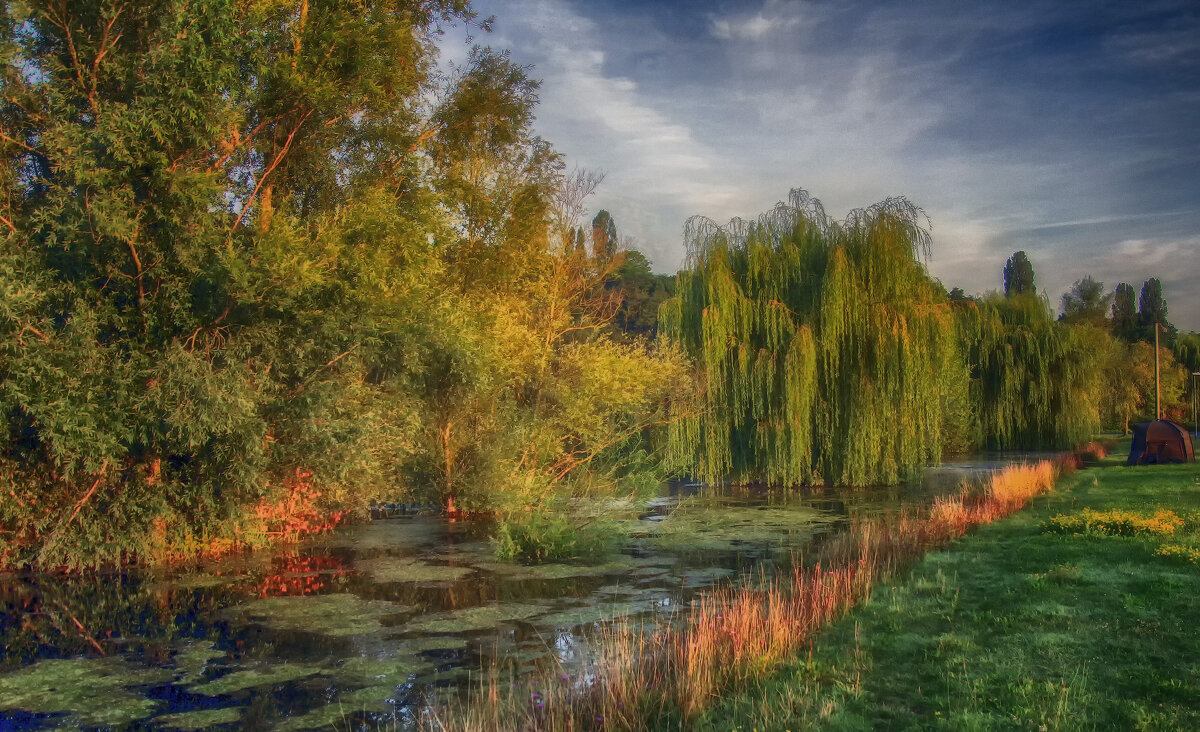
{"type": "Point", "coordinates": [857, 104]}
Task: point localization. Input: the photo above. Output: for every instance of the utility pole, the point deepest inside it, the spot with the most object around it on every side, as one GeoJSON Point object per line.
{"type": "Point", "coordinates": [1195, 403]}
{"type": "Point", "coordinates": [1157, 379]}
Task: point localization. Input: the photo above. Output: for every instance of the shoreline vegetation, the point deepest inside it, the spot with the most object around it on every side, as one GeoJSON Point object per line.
{"type": "Point", "coordinates": [741, 634]}
{"type": "Point", "coordinates": [1020, 625]}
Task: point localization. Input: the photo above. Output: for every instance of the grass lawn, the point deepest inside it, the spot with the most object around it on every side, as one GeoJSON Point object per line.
{"type": "Point", "coordinates": [1015, 628]}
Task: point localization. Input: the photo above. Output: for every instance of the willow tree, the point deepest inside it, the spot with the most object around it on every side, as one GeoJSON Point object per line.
{"type": "Point", "coordinates": [1036, 383]}
{"type": "Point", "coordinates": [830, 354]}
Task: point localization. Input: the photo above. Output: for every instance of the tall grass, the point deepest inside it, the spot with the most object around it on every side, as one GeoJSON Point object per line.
{"type": "Point", "coordinates": [736, 634]}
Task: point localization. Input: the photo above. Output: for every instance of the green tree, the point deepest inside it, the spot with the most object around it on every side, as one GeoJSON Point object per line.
{"type": "Point", "coordinates": [1086, 302]}
{"type": "Point", "coordinates": [1034, 381]}
{"type": "Point", "coordinates": [825, 345]}
{"type": "Point", "coordinates": [1124, 313]}
{"type": "Point", "coordinates": [640, 292]}
{"type": "Point", "coordinates": [604, 236]}
{"type": "Point", "coordinates": [1152, 310]}
{"type": "Point", "coordinates": [1018, 276]}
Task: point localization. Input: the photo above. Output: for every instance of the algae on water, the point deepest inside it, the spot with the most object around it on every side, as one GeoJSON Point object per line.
{"type": "Point", "coordinates": [595, 613]}
{"type": "Point", "coordinates": [408, 569]}
{"type": "Point", "coordinates": [334, 615]}
{"type": "Point", "coordinates": [334, 715]}
{"type": "Point", "coordinates": [474, 618]}
{"type": "Point", "coordinates": [202, 719]}
{"type": "Point", "coordinates": [723, 527]}
{"type": "Point", "coordinates": [192, 658]}
{"type": "Point", "coordinates": [250, 678]}
{"type": "Point", "coordinates": [554, 571]}
{"type": "Point", "coordinates": [92, 689]}
{"type": "Point", "coordinates": [392, 669]}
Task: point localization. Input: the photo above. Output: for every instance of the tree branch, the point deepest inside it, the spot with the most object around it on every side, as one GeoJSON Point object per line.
{"type": "Point", "coordinates": [274, 164]}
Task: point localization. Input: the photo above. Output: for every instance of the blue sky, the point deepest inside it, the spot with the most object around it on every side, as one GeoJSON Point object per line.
{"type": "Point", "coordinates": [1069, 130]}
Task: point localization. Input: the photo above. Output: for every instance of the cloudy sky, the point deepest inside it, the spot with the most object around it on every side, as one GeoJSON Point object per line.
{"type": "Point", "coordinates": [1068, 130]}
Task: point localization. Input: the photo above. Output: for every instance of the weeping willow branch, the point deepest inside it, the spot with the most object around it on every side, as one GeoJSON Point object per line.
{"type": "Point", "coordinates": [826, 345]}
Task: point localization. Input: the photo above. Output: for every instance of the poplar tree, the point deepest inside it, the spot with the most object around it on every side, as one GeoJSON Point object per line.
{"type": "Point", "coordinates": [1124, 313]}
{"type": "Point", "coordinates": [1018, 276]}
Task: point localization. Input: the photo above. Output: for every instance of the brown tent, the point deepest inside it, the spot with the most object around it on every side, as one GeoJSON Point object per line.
{"type": "Point", "coordinates": [1160, 441]}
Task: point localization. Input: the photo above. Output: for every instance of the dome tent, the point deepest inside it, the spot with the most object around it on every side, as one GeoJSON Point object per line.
{"type": "Point", "coordinates": [1160, 441]}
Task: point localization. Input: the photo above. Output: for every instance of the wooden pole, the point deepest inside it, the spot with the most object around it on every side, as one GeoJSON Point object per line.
{"type": "Point", "coordinates": [1157, 379]}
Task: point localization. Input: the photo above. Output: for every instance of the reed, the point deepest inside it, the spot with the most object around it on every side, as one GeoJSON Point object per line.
{"type": "Point", "coordinates": [667, 674]}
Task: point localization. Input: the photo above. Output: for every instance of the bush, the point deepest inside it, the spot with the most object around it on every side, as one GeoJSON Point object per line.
{"type": "Point", "coordinates": [537, 538]}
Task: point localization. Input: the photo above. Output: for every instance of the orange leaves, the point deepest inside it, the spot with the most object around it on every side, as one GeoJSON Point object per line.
{"type": "Point", "coordinates": [296, 515]}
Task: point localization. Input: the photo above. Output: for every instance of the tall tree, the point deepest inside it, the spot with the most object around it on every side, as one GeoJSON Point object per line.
{"type": "Point", "coordinates": [604, 236]}
{"type": "Point", "coordinates": [827, 346]}
{"type": "Point", "coordinates": [177, 226]}
{"type": "Point", "coordinates": [1152, 310]}
{"type": "Point", "coordinates": [1018, 276]}
{"type": "Point", "coordinates": [1086, 302]}
{"type": "Point", "coordinates": [1124, 313]}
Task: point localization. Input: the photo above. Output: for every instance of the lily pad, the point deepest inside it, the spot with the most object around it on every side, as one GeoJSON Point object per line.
{"type": "Point", "coordinates": [202, 719]}
{"type": "Point", "coordinates": [93, 689]}
{"type": "Point", "coordinates": [333, 615]}
{"type": "Point", "coordinates": [250, 678]}
{"type": "Point", "coordinates": [408, 569]}
{"type": "Point", "coordinates": [474, 618]}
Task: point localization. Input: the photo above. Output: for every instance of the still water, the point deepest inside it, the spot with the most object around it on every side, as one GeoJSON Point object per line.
{"type": "Point", "coordinates": [359, 628]}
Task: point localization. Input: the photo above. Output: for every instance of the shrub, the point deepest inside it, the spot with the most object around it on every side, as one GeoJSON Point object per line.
{"type": "Point", "coordinates": [539, 538]}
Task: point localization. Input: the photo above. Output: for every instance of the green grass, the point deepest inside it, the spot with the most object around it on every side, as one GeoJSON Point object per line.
{"type": "Point", "coordinates": [1014, 628]}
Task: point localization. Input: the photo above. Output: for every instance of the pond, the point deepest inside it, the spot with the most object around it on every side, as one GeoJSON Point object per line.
{"type": "Point", "coordinates": [358, 628]}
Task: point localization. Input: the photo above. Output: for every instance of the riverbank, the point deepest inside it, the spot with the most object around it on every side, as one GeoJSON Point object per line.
{"type": "Point", "coordinates": [1014, 627]}
{"type": "Point", "coordinates": [738, 635]}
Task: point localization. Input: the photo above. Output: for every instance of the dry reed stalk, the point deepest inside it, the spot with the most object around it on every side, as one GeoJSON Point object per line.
{"type": "Point", "coordinates": [743, 632]}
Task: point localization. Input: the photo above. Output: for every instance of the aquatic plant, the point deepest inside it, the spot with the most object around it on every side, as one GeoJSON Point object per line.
{"type": "Point", "coordinates": [201, 718]}
{"type": "Point", "coordinates": [340, 614]}
{"type": "Point", "coordinates": [268, 675]}
{"type": "Point", "coordinates": [537, 537]}
{"type": "Point", "coordinates": [473, 618]}
{"type": "Point", "coordinates": [409, 569]}
{"type": "Point", "coordinates": [95, 691]}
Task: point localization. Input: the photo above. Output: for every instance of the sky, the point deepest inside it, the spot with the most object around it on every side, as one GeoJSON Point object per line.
{"type": "Point", "coordinates": [1069, 130]}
